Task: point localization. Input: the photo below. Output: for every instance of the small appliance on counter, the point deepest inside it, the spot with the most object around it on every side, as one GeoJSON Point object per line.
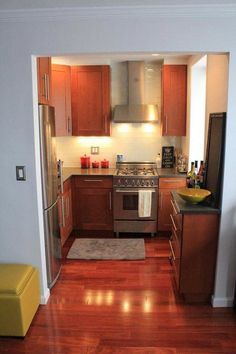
{"type": "Point", "coordinates": [85, 161]}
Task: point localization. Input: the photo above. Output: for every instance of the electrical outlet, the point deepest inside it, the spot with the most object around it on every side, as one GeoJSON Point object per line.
{"type": "Point", "coordinates": [94, 150]}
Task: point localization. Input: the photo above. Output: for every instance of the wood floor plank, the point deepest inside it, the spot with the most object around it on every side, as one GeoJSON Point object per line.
{"type": "Point", "coordinates": [119, 307]}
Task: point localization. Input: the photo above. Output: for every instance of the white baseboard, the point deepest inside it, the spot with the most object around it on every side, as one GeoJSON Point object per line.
{"type": "Point", "coordinates": [222, 301]}
{"type": "Point", "coordinates": [44, 298]}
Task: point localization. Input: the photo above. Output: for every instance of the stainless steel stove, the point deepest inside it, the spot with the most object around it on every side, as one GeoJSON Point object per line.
{"type": "Point", "coordinates": [129, 180]}
{"type": "Point", "coordinates": [136, 174]}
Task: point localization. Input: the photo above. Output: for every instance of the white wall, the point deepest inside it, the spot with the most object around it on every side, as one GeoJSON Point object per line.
{"type": "Point", "coordinates": [102, 30]}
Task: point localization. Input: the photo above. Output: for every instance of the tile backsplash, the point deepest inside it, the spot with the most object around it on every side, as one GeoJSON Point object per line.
{"type": "Point", "coordinates": [137, 142]}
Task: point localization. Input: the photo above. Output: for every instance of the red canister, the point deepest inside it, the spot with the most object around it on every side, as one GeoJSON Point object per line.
{"type": "Point", "coordinates": [85, 161]}
{"type": "Point", "coordinates": [104, 163]}
{"type": "Point", "coordinates": [95, 164]}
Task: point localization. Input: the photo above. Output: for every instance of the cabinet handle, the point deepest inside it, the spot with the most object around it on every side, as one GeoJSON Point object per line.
{"type": "Point", "coordinates": [173, 223]}
{"type": "Point", "coordinates": [172, 251]}
{"type": "Point", "coordinates": [166, 124]}
{"type": "Point", "coordinates": [93, 180]}
{"type": "Point", "coordinates": [68, 124]}
{"type": "Point", "coordinates": [110, 206]}
{"type": "Point", "coordinates": [173, 205]}
{"type": "Point", "coordinates": [44, 93]}
{"type": "Point", "coordinates": [48, 89]}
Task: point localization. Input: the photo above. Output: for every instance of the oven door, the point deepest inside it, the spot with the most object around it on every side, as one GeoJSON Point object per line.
{"type": "Point", "coordinates": [126, 204]}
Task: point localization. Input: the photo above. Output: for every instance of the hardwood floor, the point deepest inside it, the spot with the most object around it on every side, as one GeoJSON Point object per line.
{"type": "Point", "coordinates": [114, 307]}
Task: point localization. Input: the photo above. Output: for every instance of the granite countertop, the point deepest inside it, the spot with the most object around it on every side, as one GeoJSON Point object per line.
{"type": "Point", "coordinates": [77, 171]}
{"type": "Point", "coordinates": [170, 172]}
{"type": "Point", "coordinates": [184, 207]}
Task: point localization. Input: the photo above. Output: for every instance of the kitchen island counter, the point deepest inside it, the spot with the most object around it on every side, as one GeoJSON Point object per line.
{"type": "Point", "coordinates": [184, 207]}
{"type": "Point", "coordinates": [77, 171]}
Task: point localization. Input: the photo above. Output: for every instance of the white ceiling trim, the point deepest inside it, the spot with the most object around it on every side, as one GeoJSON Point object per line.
{"type": "Point", "coordinates": [140, 11]}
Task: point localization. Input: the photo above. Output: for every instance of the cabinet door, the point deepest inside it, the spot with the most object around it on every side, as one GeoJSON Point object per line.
{"type": "Point", "coordinates": [61, 99]}
{"type": "Point", "coordinates": [66, 204]}
{"type": "Point", "coordinates": [174, 91]}
{"type": "Point", "coordinates": [90, 91]}
{"type": "Point", "coordinates": [164, 210]}
{"type": "Point", "coordinates": [44, 80]}
{"type": "Point", "coordinates": [93, 209]}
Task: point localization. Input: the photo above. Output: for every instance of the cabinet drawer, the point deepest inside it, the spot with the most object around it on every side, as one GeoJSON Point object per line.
{"type": "Point", "coordinates": [176, 218]}
{"type": "Point", "coordinates": [175, 259]}
{"type": "Point", "coordinates": [172, 183]}
{"type": "Point", "coordinates": [93, 182]}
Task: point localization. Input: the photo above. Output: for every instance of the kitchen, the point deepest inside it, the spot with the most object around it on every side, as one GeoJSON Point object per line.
{"type": "Point", "coordinates": [142, 80]}
{"type": "Point", "coordinates": [116, 34]}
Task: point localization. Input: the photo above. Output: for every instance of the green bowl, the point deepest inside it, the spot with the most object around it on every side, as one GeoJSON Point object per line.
{"type": "Point", "coordinates": [193, 195]}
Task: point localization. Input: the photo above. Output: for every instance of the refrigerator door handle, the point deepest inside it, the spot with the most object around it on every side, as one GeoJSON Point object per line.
{"type": "Point", "coordinates": [60, 167]}
{"type": "Point", "coordinates": [62, 211]}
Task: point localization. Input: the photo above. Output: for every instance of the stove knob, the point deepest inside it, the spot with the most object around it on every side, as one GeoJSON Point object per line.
{"type": "Point", "coordinates": [142, 183]}
{"type": "Point", "coordinates": [152, 183]}
{"type": "Point", "coordinates": [133, 182]}
{"type": "Point", "coordinates": [137, 182]}
{"type": "Point", "coordinates": [147, 183]}
{"type": "Point", "coordinates": [126, 182]}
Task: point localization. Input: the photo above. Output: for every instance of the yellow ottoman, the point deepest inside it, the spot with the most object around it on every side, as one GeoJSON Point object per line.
{"type": "Point", "coordinates": [19, 298]}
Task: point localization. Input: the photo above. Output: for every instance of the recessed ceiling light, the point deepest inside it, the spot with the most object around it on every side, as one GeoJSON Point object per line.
{"type": "Point", "coordinates": [155, 54]}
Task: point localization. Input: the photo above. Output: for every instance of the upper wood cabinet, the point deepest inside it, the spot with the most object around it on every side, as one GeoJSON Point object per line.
{"type": "Point", "coordinates": [44, 80]}
{"type": "Point", "coordinates": [174, 92]}
{"type": "Point", "coordinates": [90, 94]}
{"type": "Point", "coordinates": [61, 99]}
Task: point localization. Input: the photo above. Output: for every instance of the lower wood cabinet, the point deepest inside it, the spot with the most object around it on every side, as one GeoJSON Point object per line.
{"type": "Point", "coordinates": [93, 203]}
{"type": "Point", "coordinates": [193, 247]}
{"type": "Point", "coordinates": [166, 185]}
{"type": "Point", "coordinates": [65, 211]}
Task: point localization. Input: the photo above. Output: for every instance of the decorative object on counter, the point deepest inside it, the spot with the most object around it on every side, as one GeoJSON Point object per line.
{"type": "Point", "coordinates": [95, 164]}
{"type": "Point", "coordinates": [119, 158]}
{"type": "Point", "coordinates": [88, 248]}
{"type": "Point", "coordinates": [104, 163]}
{"type": "Point", "coordinates": [181, 163]}
{"type": "Point", "coordinates": [85, 161]}
{"type": "Point", "coordinates": [194, 195]}
{"type": "Point", "coordinates": [158, 160]}
{"type": "Point", "coordinates": [168, 159]}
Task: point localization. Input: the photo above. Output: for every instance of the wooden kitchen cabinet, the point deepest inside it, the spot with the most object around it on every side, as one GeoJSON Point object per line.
{"type": "Point", "coordinates": [166, 185]}
{"type": "Point", "coordinates": [93, 203]}
{"type": "Point", "coordinates": [44, 80]}
{"type": "Point", "coordinates": [193, 247]}
{"type": "Point", "coordinates": [66, 203]}
{"type": "Point", "coordinates": [90, 92]}
{"type": "Point", "coordinates": [61, 99]}
{"type": "Point", "coordinates": [174, 98]}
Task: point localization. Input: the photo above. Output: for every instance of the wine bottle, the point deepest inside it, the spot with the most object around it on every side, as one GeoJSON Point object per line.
{"type": "Point", "coordinates": [201, 174]}
{"type": "Point", "coordinates": [196, 179]}
{"type": "Point", "coordinates": [190, 176]}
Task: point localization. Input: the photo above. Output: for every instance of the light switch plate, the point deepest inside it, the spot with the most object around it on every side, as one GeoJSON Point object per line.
{"type": "Point", "coordinates": [94, 150]}
{"type": "Point", "coordinates": [20, 173]}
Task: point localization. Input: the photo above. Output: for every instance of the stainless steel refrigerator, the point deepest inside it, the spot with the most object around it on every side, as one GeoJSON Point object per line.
{"type": "Point", "coordinates": [50, 188]}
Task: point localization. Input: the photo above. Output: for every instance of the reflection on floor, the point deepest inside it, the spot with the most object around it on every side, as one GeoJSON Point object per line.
{"type": "Point", "coordinates": [124, 307]}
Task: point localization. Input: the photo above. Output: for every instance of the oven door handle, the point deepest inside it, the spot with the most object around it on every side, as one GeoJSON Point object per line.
{"type": "Point", "coordinates": [133, 190]}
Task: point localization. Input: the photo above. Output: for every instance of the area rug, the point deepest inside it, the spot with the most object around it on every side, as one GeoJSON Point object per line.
{"type": "Point", "coordinates": [106, 249]}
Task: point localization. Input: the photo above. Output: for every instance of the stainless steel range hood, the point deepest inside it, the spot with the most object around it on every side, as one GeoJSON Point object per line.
{"type": "Point", "coordinates": [135, 111]}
